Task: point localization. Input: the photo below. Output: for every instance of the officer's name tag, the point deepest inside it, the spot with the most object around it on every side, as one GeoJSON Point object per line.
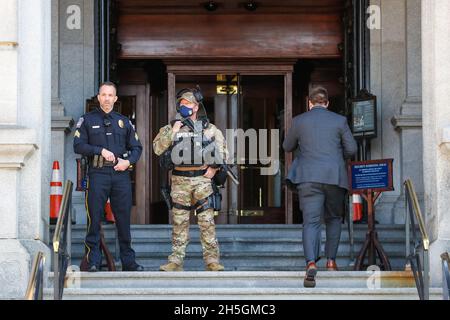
{"type": "Point", "coordinates": [186, 135]}
{"type": "Point", "coordinates": [95, 127]}
{"type": "Point", "coordinates": [109, 133]}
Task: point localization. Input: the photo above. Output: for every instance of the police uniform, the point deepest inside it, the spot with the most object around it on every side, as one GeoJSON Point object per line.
{"type": "Point", "coordinates": [190, 190]}
{"type": "Point", "coordinates": [97, 130]}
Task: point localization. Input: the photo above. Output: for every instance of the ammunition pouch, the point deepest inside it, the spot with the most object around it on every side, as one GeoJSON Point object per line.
{"type": "Point", "coordinates": [220, 177]}
{"type": "Point", "coordinates": [165, 160]}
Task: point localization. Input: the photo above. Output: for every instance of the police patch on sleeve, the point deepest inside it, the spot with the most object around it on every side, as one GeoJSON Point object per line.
{"type": "Point", "coordinates": [80, 122]}
{"type": "Point", "coordinates": [77, 134]}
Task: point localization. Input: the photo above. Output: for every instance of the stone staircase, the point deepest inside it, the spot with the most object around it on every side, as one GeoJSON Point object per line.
{"type": "Point", "coordinates": [244, 247]}
{"type": "Point", "coordinates": [263, 262]}
{"type": "Point", "coordinates": [240, 285]}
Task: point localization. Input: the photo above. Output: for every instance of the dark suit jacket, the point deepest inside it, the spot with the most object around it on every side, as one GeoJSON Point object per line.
{"type": "Point", "coordinates": [324, 140]}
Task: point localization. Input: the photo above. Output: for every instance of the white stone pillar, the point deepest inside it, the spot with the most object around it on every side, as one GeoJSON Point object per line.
{"type": "Point", "coordinates": [436, 116]}
{"type": "Point", "coordinates": [24, 138]}
{"type": "Point", "coordinates": [388, 83]}
{"type": "Point", "coordinates": [61, 124]}
{"type": "Point", "coordinates": [408, 122]}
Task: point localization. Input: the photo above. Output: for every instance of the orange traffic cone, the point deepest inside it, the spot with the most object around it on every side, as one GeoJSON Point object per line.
{"type": "Point", "coordinates": [55, 193]}
{"type": "Point", "coordinates": [357, 207]}
{"type": "Point", "coordinates": [109, 216]}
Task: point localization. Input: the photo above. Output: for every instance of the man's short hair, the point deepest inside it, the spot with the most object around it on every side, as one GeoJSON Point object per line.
{"type": "Point", "coordinates": [107, 83]}
{"type": "Point", "coordinates": [318, 95]}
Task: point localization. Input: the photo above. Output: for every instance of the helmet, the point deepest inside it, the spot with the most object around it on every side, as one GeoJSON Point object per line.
{"type": "Point", "coordinates": [193, 95]}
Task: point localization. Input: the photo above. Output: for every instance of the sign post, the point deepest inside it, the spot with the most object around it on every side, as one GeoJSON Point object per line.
{"type": "Point", "coordinates": [370, 179]}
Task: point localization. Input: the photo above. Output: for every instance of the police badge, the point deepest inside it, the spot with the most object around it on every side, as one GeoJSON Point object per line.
{"type": "Point", "coordinates": [121, 123]}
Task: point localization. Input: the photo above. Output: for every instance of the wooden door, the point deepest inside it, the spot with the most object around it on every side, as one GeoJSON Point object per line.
{"type": "Point", "coordinates": [137, 99]}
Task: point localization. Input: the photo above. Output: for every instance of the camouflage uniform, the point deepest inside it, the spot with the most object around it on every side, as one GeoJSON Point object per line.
{"type": "Point", "coordinates": [187, 191]}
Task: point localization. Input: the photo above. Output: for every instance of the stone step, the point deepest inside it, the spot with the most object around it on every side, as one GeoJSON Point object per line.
{"type": "Point", "coordinates": [250, 260]}
{"type": "Point", "coordinates": [212, 293]}
{"type": "Point", "coordinates": [242, 245]}
{"type": "Point", "coordinates": [325, 279]}
{"type": "Point", "coordinates": [260, 230]}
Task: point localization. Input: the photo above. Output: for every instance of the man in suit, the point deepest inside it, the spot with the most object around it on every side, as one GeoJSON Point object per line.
{"type": "Point", "coordinates": [323, 140]}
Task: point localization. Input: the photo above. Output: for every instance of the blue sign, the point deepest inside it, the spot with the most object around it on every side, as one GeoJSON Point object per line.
{"type": "Point", "coordinates": [376, 175]}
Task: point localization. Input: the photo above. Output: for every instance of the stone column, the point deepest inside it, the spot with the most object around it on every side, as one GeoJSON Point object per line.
{"type": "Point", "coordinates": [388, 83]}
{"type": "Point", "coordinates": [24, 139]}
{"type": "Point", "coordinates": [61, 124]}
{"type": "Point", "coordinates": [436, 117]}
{"type": "Point", "coordinates": [76, 79]}
{"type": "Point", "coordinates": [408, 122]}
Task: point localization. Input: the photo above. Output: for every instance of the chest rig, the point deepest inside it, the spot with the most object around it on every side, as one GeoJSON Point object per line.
{"type": "Point", "coordinates": [191, 150]}
{"type": "Point", "coordinates": [191, 147]}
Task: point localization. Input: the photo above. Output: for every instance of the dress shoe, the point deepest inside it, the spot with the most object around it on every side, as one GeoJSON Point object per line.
{"type": "Point", "coordinates": [331, 265]}
{"type": "Point", "coordinates": [310, 275]}
{"type": "Point", "coordinates": [214, 266]}
{"type": "Point", "coordinates": [133, 267]}
{"type": "Point", "coordinates": [171, 266]}
{"type": "Point", "coordinates": [93, 268]}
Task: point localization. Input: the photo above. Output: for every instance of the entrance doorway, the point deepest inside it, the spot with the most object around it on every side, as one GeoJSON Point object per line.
{"type": "Point", "coordinates": [255, 104]}
{"type": "Point", "coordinates": [256, 100]}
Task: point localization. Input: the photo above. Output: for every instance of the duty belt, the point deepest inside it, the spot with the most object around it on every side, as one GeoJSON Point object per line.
{"type": "Point", "coordinates": [190, 174]}
{"type": "Point", "coordinates": [98, 161]}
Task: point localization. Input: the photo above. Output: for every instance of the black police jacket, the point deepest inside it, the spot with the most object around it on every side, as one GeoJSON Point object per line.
{"type": "Point", "coordinates": [97, 130]}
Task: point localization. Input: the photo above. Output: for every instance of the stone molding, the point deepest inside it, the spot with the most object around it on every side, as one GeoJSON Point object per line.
{"type": "Point", "coordinates": [62, 124]}
{"type": "Point", "coordinates": [16, 144]}
{"type": "Point", "coordinates": [402, 122]}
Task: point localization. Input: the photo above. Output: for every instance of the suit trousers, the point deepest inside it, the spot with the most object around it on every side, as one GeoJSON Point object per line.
{"type": "Point", "coordinates": [319, 200]}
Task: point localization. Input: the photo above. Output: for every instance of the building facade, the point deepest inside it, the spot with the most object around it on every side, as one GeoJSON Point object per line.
{"type": "Point", "coordinates": [54, 54]}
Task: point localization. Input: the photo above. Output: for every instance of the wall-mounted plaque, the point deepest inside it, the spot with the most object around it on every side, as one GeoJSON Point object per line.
{"type": "Point", "coordinates": [364, 115]}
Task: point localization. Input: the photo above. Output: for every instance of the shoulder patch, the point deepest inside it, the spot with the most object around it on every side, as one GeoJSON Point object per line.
{"type": "Point", "coordinates": [77, 134]}
{"type": "Point", "coordinates": [136, 136]}
{"type": "Point", "coordinates": [80, 122]}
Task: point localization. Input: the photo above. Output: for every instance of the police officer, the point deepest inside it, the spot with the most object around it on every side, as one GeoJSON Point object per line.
{"type": "Point", "coordinates": [192, 187]}
{"type": "Point", "coordinates": [108, 139]}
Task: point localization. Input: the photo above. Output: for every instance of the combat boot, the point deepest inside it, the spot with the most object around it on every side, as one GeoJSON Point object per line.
{"type": "Point", "coordinates": [171, 266]}
{"type": "Point", "coordinates": [214, 266]}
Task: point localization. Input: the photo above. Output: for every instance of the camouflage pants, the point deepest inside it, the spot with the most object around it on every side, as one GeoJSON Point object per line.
{"type": "Point", "coordinates": [187, 191]}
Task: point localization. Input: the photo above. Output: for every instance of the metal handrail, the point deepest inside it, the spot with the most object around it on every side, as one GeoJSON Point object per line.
{"type": "Point", "coordinates": [446, 275]}
{"type": "Point", "coordinates": [36, 282]}
{"type": "Point", "coordinates": [420, 264]}
{"type": "Point", "coordinates": [62, 241]}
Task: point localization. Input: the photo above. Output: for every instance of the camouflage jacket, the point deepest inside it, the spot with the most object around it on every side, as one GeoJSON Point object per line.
{"type": "Point", "coordinates": [166, 138]}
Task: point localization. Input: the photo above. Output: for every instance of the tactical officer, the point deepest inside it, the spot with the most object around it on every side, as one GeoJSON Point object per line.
{"type": "Point", "coordinates": [192, 187]}
{"type": "Point", "coordinates": [108, 139]}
